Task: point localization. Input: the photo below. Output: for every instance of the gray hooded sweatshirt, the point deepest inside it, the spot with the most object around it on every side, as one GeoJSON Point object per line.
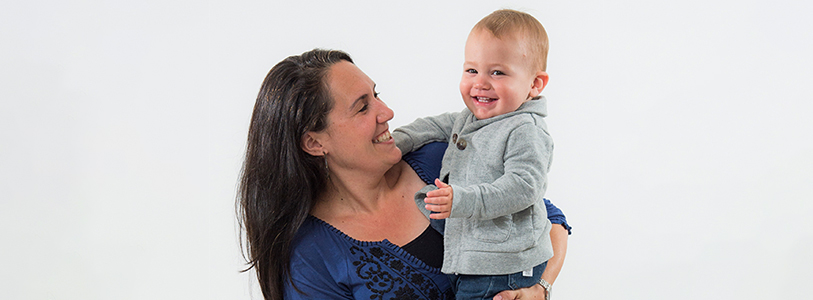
{"type": "Point", "coordinates": [497, 168]}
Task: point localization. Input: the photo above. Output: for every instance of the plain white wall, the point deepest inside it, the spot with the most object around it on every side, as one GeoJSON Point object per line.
{"type": "Point", "coordinates": [683, 150]}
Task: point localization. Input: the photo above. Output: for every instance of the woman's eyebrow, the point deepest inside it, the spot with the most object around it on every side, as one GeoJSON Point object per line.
{"type": "Point", "coordinates": [363, 97]}
{"type": "Point", "coordinates": [355, 103]}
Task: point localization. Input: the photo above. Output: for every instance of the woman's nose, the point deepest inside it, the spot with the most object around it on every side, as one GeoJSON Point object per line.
{"type": "Point", "coordinates": [385, 114]}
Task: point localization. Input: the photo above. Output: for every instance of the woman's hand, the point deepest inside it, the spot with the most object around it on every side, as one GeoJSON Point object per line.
{"type": "Point", "coordinates": [536, 292]}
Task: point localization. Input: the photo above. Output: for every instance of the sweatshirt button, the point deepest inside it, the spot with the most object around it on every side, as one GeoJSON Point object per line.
{"type": "Point", "coordinates": [461, 144]}
{"type": "Point", "coordinates": [454, 138]}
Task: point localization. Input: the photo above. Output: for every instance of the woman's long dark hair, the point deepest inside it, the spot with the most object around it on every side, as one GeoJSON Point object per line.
{"type": "Point", "coordinates": [280, 182]}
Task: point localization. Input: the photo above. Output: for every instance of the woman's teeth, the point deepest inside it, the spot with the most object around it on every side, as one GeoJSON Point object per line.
{"type": "Point", "coordinates": [484, 99]}
{"type": "Point", "coordinates": [383, 137]}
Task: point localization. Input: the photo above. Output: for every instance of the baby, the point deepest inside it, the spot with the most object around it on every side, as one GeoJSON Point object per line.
{"type": "Point", "coordinates": [494, 171]}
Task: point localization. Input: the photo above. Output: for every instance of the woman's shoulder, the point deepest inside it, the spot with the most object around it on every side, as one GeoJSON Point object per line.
{"type": "Point", "coordinates": [316, 263]}
{"type": "Point", "coordinates": [426, 161]}
{"type": "Point", "coordinates": [315, 232]}
{"type": "Point", "coordinates": [409, 178]}
{"type": "Point", "coordinates": [318, 255]}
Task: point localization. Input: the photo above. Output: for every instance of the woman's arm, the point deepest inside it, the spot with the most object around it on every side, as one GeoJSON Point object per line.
{"type": "Point", "coordinates": [558, 237]}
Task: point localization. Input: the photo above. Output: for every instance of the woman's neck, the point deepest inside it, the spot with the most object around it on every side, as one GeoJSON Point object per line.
{"type": "Point", "coordinates": [374, 210]}
{"type": "Point", "coordinates": [357, 192]}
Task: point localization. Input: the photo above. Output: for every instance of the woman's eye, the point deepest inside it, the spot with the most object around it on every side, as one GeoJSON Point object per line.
{"type": "Point", "coordinates": [363, 108]}
{"type": "Point", "coordinates": [376, 94]}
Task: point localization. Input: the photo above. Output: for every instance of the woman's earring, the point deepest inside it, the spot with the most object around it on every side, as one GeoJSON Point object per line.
{"type": "Point", "coordinates": [327, 170]}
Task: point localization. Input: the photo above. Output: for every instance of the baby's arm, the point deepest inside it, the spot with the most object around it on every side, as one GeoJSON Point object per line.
{"type": "Point", "coordinates": [422, 131]}
{"type": "Point", "coordinates": [439, 201]}
{"type": "Point", "coordinates": [524, 180]}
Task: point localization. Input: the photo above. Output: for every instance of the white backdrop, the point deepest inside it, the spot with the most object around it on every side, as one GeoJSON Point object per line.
{"type": "Point", "coordinates": [683, 154]}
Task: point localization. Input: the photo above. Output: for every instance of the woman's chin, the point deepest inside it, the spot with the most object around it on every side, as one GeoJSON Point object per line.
{"type": "Point", "coordinates": [393, 156]}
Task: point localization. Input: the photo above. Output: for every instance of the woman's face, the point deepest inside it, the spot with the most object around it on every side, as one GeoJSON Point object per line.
{"type": "Point", "coordinates": [357, 136]}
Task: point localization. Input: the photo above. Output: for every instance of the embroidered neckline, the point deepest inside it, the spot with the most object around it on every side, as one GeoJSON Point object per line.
{"type": "Point", "coordinates": [385, 243]}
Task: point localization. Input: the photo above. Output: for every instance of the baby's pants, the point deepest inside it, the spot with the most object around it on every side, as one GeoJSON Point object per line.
{"type": "Point", "coordinates": [487, 286]}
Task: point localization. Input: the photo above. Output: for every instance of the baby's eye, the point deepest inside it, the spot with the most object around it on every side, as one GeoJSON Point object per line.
{"type": "Point", "coordinates": [471, 71]}
{"type": "Point", "coordinates": [497, 72]}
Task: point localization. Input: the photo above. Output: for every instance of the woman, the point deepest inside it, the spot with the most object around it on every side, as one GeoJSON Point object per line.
{"type": "Point", "coordinates": [325, 198]}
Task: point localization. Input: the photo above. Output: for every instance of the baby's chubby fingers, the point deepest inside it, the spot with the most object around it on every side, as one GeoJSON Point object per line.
{"type": "Point", "coordinates": [442, 191]}
{"type": "Point", "coordinates": [439, 216]}
{"type": "Point", "coordinates": [435, 200]}
{"type": "Point", "coordinates": [438, 204]}
{"type": "Point", "coordinates": [437, 193]}
{"type": "Point", "coordinates": [440, 184]}
{"type": "Point", "coordinates": [435, 208]}
{"type": "Point", "coordinates": [438, 211]}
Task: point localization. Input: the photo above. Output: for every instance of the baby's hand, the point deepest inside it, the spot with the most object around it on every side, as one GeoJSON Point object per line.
{"type": "Point", "coordinates": [439, 201]}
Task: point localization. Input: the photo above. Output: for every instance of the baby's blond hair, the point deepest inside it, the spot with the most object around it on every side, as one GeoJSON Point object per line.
{"type": "Point", "coordinates": [509, 23]}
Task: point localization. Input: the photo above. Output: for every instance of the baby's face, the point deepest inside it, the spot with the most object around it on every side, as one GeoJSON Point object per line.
{"type": "Point", "coordinates": [497, 76]}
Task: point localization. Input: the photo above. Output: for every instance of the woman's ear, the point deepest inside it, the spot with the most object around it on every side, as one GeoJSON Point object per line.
{"type": "Point", "coordinates": [311, 144]}
{"type": "Point", "coordinates": [539, 83]}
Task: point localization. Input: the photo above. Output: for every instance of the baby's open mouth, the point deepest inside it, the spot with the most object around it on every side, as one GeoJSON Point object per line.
{"type": "Point", "coordinates": [484, 99]}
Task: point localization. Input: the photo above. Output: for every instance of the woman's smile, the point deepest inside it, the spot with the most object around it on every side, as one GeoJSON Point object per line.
{"type": "Point", "coordinates": [383, 137]}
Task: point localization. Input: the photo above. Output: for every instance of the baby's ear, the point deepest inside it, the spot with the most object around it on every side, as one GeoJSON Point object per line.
{"type": "Point", "coordinates": [311, 144]}
{"type": "Point", "coordinates": [539, 83]}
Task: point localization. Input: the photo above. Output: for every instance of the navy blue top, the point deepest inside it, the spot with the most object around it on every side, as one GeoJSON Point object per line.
{"type": "Point", "coordinates": [328, 264]}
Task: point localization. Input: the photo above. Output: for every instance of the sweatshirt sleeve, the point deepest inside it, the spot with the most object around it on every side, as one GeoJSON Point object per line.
{"type": "Point", "coordinates": [527, 160]}
{"type": "Point", "coordinates": [422, 131]}
{"type": "Point", "coordinates": [426, 162]}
